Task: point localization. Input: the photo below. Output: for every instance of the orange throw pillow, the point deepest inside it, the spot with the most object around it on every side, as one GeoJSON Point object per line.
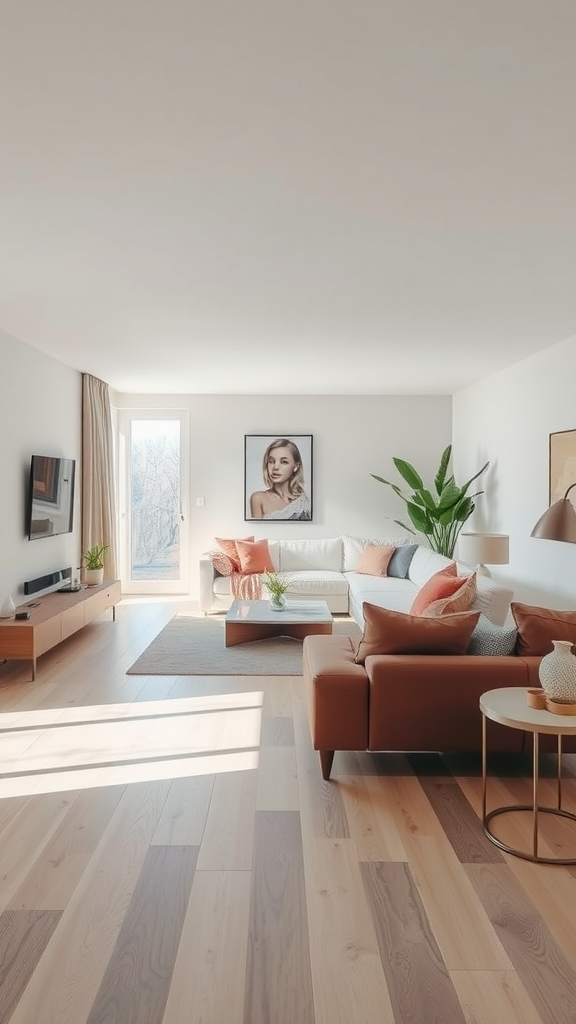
{"type": "Point", "coordinates": [441, 584]}
{"type": "Point", "coordinates": [459, 601]}
{"type": "Point", "coordinates": [375, 558]}
{"type": "Point", "coordinates": [387, 632]}
{"type": "Point", "coordinates": [255, 556]}
{"type": "Point", "coordinates": [229, 548]}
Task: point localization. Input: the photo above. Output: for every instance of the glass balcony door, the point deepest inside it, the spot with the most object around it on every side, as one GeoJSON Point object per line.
{"type": "Point", "coordinates": [153, 461]}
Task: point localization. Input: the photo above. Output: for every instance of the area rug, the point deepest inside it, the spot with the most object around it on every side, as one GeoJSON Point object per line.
{"type": "Point", "coordinates": [190, 646]}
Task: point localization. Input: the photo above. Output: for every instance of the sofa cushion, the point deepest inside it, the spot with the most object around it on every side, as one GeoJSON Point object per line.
{"type": "Point", "coordinates": [492, 599]}
{"type": "Point", "coordinates": [538, 627]}
{"type": "Point", "coordinates": [387, 632]}
{"type": "Point", "coordinates": [229, 548]}
{"type": "Point", "coordinates": [254, 556]}
{"type": "Point", "coordinates": [317, 583]}
{"type": "Point", "coordinates": [442, 584]}
{"type": "Point", "coordinates": [399, 564]}
{"type": "Point", "coordinates": [296, 555]}
{"type": "Point", "coordinates": [459, 601]}
{"type": "Point", "coordinates": [353, 548]}
{"type": "Point", "coordinates": [425, 563]}
{"type": "Point", "coordinates": [490, 640]}
{"type": "Point", "coordinates": [374, 559]}
{"type": "Point", "coordinates": [383, 591]}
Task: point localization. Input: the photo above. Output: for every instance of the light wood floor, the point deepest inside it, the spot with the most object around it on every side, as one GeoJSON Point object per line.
{"type": "Point", "coordinates": [169, 854]}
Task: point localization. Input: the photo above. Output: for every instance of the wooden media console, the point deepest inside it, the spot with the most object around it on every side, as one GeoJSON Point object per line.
{"type": "Point", "coordinates": [53, 618]}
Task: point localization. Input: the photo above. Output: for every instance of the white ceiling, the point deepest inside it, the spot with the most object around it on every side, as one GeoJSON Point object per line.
{"type": "Point", "coordinates": [288, 196]}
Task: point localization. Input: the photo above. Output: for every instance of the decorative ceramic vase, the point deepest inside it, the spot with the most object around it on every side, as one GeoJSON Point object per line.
{"type": "Point", "coordinates": [558, 672]}
{"type": "Point", "coordinates": [8, 608]}
{"type": "Point", "coordinates": [277, 604]}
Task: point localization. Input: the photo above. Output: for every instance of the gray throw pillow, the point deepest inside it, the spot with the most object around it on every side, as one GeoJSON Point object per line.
{"type": "Point", "coordinates": [488, 639]}
{"type": "Point", "coordinates": [400, 562]}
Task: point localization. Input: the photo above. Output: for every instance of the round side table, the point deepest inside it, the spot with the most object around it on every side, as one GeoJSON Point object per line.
{"type": "Point", "coordinates": [508, 707]}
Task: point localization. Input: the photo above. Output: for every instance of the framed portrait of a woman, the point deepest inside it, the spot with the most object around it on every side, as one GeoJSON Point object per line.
{"type": "Point", "coordinates": [562, 464]}
{"type": "Point", "coordinates": [278, 477]}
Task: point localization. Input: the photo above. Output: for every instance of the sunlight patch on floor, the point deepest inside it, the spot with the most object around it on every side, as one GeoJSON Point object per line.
{"type": "Point", "coordinates": [116, 744]}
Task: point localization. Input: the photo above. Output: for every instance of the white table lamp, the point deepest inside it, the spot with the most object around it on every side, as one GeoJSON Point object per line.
{"type": "Point", "coordinates": [482, 549]}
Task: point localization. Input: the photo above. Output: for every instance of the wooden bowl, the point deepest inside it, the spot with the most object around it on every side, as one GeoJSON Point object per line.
{"type": "Point", "coordinates": [536, 698]}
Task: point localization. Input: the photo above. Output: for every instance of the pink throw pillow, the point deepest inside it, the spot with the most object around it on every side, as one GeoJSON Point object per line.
{"type": "Point", "coordinates": [459, 601]}
{"type": "Point", "coordinates": [441, 584]}
{"type": "Point", "coordinates": [375, 558]}
{"type": "Point", "coordinates": [229, 548]}
{"type": "Point", "coordinates": [254, 556]}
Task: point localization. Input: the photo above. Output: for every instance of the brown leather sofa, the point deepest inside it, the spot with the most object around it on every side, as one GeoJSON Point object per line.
{"type": "Point", "coordinates": [408, 702]}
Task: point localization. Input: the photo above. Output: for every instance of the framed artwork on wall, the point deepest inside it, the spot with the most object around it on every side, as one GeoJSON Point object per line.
{"type": "Point", "coordinates": [562, 464]}
{"type": "Point", "coordinates": [278, 477]}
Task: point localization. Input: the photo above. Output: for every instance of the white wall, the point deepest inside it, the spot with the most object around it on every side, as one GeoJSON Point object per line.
{"type": "Point", "coordinates": [507, 418]}
{"type": "Point", "coordinates": [40, 413]}
{"type": "Point", "coordinates": [353, 436]}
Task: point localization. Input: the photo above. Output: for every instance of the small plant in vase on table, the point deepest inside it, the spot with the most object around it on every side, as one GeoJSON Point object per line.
{"type": "Point", "coordinates": [277, 584]}
{"type": "Point", "coordinates": [93, 563]}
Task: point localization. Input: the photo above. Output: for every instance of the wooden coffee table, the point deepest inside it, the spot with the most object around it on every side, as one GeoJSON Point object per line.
{"type": "Point", "coordinates": [254, 620]}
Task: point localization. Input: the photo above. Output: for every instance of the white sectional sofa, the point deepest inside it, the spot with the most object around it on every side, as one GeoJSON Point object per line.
{"type": "Point", "coordinates": [326, 569]}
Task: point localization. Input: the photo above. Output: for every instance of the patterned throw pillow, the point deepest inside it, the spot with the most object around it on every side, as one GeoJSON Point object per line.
{"type": "Point", "coordinates": [459, 601]}
{"type": "Point", "coordinates": [490, 640]}
{"type": "Point", "coordinates": [229, 548]}
{"type": "Point", "coordinates": [221, 562]}
{"type": "Point", "coordinates": [444, 583]}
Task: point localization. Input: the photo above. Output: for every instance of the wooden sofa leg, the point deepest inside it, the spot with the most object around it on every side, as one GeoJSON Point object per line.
{"type": "Point", "coordinates": [326, 759]}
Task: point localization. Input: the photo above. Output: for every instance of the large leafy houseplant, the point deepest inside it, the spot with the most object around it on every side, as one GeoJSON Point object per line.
{"type": "Point", "coordinates": [440, 516]}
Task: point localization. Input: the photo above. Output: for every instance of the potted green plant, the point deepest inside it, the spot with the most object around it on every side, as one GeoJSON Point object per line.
{"type": "Point", "coordinates": [93, 562]}
{"type": "Point", "coordinates": [277, 584]}
{"type": "Point", "coordinates": [440, 516]}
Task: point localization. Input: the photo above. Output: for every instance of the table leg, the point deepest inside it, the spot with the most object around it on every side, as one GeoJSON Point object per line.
{"type": "Point", "coordinates": [484, 769]}
{"type": "Point", "coordinates": [535, 779]}
{"type": "Point", "coordinates": [535, 807]}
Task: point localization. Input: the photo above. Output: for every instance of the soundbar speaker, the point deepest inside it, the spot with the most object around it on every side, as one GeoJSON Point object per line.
{"type": "Point", "coordinates": [51, 579]}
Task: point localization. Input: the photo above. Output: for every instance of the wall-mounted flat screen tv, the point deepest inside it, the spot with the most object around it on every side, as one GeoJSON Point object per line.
{"type": "Point", "coordinates": [50, 497]}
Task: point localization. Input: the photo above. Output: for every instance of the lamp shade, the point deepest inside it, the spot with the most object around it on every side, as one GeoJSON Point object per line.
{"type": "Point", "coordinates": [558, 522]}
{"type": "Point", "coordinates": [483, 548]}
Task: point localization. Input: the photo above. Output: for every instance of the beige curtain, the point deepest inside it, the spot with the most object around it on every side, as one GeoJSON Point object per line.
{"type": "Point", "coordinates": [98, 491]}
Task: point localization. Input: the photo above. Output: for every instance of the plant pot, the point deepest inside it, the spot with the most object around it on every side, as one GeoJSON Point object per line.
{"type": "Point", "coordinates": [93, 577]}
{"type": "Point", "coordinates": [277, 604]}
